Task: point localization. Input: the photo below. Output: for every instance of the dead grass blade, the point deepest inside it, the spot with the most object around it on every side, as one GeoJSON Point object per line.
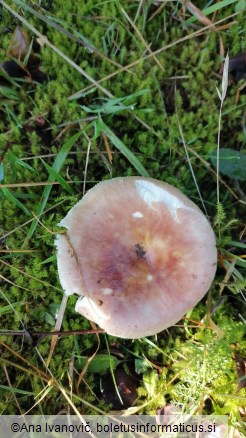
{"type": "Point", "coordinates": [190, 165]}
{"type": "Point", "coordinates": [86, 160]}
{"type": "Point", "coordinates": [12, 284]}
{"type": "Point", "coordinates": [30, 276]}
{"type": "Point", "coordinates": [57, 327]}
{"type": "Point", "coordinates": [194, 10]}
{"type": "Point", "coordinates": [213, 172]}
{"type": "Point", "coordinates": [18, 251]}
{"type": "Point", "coordinates": [222, 96]}
{"type": "Point", "coordinates": [41, 396]}
{"type": "Point", "coordinates": [30, 220]}
{"type": "Point", "coordinates": [11, 387]}
{"type": "Point", "coordinates": [81, 375]}
{"type": "Point", "coordinates": [75, 37]}
{"type": "Point", "coordinates": [141, 38]}
{"type": "Point", "coordinates": [33, 369]}
{"type": "Point", "coordinates": [197, 33]}
{"type": "Point", "coordinates": [229, 272]}
{"type": "Point", "coordinates": [212, 9]}
{"type": "Point", "coordinates": [110, 156]}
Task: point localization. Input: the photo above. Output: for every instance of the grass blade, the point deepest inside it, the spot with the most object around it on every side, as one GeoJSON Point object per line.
{"type": "Point", "coordinates": [8, 195]}
{"type": "Point", "coordinates": [122, 148]}
{"type": "Point", "coordinates": [15, 390]}
{"type": "Point", "coordinates": [58, 163]}
{"type": "Point", "coordinates": [8, 308]}
{"type": "Point", "coordinates": [210, 10]}
{"type": "Point", "coordinates": [53, 174]}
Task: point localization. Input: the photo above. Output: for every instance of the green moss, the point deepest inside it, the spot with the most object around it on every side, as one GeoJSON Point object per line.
{"type": "Point", "coordinates": [193, 362]}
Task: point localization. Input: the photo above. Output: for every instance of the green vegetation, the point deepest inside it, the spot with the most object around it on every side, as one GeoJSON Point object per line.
{"type": "Point", "coordinates": [130, 89]}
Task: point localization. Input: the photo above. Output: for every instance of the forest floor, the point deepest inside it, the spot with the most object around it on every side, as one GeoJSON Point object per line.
{"type": "Point", "coordinates": [94, 90]}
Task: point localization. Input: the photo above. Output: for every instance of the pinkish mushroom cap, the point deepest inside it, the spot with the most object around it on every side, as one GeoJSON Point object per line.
{"type": "Point", "coordinates": [139, 253]}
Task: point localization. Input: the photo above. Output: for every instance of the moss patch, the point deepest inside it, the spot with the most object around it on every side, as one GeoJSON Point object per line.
{"type": "Point", "coordinates": [185, 365]}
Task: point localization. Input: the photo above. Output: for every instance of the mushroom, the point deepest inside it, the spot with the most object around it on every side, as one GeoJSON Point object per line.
{"type": "Point", "coordinates": [139, 253]}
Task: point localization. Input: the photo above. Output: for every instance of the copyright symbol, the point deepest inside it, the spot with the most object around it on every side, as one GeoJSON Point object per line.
{"type": "Point", "coordinates": [15, 427]}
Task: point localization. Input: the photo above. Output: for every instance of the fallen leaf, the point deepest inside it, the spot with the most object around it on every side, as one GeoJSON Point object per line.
{"type": "Point", "coordinates": [19, 44]}
{"type": "Point", "coordinates": [26, 62]}
{"type": "Point", "coordinates": [127, 387]}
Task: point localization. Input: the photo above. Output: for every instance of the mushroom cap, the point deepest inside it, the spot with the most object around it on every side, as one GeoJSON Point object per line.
{"type": "Point", "coordinates": [140, 254]}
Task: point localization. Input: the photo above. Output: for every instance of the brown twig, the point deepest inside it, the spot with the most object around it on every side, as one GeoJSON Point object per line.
{"type": "Point", "coordinates": [40, 335]}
